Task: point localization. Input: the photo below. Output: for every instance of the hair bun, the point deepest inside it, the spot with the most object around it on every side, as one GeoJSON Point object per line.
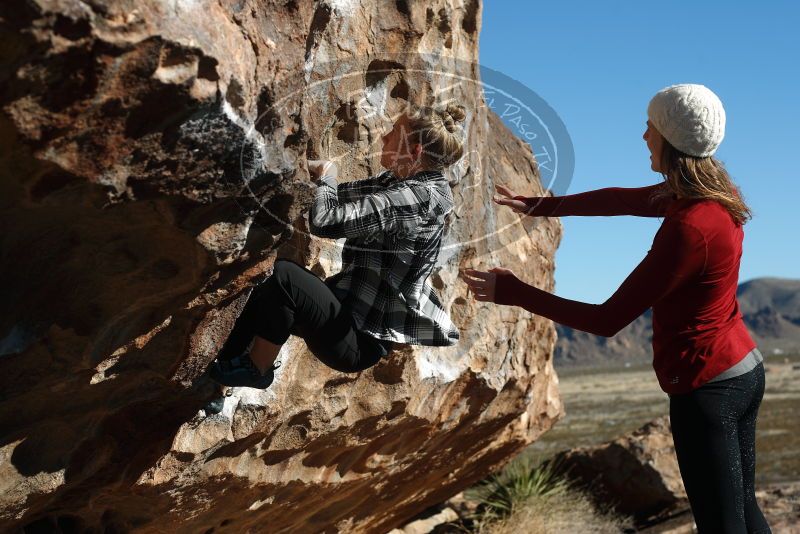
{"type": "Point", "coordinates": [438, 129]}
{"type": "Point", "coordinates": [454, 114]}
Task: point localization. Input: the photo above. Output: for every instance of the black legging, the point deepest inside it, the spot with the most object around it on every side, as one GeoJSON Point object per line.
{"type": "Point", "coordinates": [714, 428]}
{"type": "Point", "coordinates": [293, 300]}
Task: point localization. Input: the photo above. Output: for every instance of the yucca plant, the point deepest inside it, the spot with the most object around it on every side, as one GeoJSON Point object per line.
{"type": "Point", "coordinates": [520, 481]}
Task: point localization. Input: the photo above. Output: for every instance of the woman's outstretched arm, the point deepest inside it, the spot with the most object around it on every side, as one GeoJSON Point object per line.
{"type": "Point", "coordinates": [604, 202]}
{"type": "Point", "coordinates": [678, 254]}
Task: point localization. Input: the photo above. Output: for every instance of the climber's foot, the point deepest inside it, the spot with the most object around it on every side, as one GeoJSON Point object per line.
{"type": "Point", "coordinates": [241, 372]}
{"type": "Point", "coordinates": [215, 405]}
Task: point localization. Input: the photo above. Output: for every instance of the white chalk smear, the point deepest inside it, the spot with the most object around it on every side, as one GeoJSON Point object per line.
{"type": "Point", "coordinates": [431, 363]}
{"type": "Point", "coordinates": [344, 8]}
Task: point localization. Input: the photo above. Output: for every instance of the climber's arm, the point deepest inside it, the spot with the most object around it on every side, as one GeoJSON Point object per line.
{"type": "Point", "coordinates": [397, 208]}
{"type": "Point", "coordinates": [349, 191]}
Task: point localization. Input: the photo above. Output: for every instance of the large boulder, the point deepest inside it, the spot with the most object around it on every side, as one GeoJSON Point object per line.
{"type": "Point", "coordinates": [153, 168]}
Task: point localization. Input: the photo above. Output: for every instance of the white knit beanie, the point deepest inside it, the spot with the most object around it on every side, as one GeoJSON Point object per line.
{"type": "Point", "coordinates": [690, 116]}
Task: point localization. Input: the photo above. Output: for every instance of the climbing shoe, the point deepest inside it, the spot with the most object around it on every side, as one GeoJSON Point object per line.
{"type": "Point", "coordinates": [216, 404]}
{"type": "Point", "coordinates": [241, 372]}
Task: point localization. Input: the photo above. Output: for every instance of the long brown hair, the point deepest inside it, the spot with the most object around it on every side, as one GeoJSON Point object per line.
{"type": "Point", "coordinates": [704, 178]}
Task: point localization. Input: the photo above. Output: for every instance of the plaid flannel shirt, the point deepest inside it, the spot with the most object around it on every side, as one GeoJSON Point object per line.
{"type": "Point", "coordinates": [393, 231]}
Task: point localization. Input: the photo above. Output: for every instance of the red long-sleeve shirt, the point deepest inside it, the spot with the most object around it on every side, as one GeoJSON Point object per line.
{"type": "Point", "coordinates": [689, 277]}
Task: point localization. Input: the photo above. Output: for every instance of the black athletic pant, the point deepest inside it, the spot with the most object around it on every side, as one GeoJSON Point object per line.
{"type": "Point", "coordinates": [293, 300]}
{"type": "Point", "coordinates": [714, 428]}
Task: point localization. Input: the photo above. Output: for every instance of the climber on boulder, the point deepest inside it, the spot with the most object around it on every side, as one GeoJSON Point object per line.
{"type": "Point", "coordinates": [393, 225]}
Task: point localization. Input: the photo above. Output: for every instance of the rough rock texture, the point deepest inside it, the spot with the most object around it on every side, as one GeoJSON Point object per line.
{"type": "Point", "coordinates": [637, 473]}
{"type": "Point", "coordinates": [428, 524]}
{"type": "Point", "coordinates": [153, 167]}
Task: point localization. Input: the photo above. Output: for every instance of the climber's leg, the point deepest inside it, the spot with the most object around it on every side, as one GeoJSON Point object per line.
{"type": "Point", "coordinates": [296, 301]}
{"type": "Point", "coordinates": [269, 311]}
{"type": "Point", "coordinates": [263, 353]}
{"type": "Point", "coordinates": [291, 301]}
{"type": "Point", "coordinates": [348, 355]}
{"type": "Point", "coordinates": [243, 330]}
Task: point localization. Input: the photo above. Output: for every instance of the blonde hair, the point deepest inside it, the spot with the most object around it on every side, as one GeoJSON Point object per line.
{"type": "Point", "coordinates": [440, 132]}
{"type": "Point", "coordinates": [704, 178]}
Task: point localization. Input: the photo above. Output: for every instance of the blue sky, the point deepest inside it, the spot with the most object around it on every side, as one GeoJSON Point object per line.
{"type": "Point", "coordinates": [599, 63]}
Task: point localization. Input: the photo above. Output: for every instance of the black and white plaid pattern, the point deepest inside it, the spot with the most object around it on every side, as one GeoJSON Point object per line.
{"type": "Point", "coordinates": [393, 230]}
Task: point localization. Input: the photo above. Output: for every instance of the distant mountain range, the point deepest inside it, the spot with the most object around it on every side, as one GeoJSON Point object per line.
{"type": "Point", "coordinates": [770, 308]}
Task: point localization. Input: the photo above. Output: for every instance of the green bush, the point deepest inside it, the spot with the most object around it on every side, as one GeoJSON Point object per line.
{"type": "Point", "coordinates": [502, 493]}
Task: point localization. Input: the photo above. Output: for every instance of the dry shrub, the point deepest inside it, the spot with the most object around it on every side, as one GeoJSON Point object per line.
{"type": "Point", "coordinates": [538, 500]}
{"type": "Point", "coordinates": [566, 512]}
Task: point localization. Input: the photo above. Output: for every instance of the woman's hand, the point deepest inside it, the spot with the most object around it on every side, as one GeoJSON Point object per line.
{"type": "Point", "coordinates": [483, 283]}
{"type": "Point", "coordinates": [507, 199]}
{"type": "Point", "coordinates": [320, 167]}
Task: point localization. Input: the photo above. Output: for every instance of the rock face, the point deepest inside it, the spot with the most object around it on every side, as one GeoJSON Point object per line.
{"type": "Point", "coordinates": [153, 168]}
{"type": "Point", "coordinates": [638, 473]}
